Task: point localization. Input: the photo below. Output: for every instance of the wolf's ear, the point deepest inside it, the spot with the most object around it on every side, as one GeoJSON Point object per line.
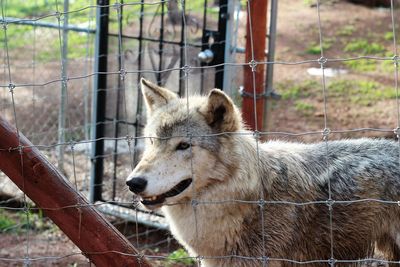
{"type": "Point", "coordinates": [154, 95]}
{"type": "Point", "coordinates": [220, 112]}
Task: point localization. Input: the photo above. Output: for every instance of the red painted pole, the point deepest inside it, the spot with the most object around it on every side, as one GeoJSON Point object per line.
{"type": "Point", "coordinates": [257, 15]}
{"type": "Point", "coordinates": [46, 186]}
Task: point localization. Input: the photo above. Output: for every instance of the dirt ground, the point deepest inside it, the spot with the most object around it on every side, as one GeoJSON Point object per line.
{"type": "Point", "coordinates": [342, 23]}
{"type": "Point", "coordinates": [361, 96]}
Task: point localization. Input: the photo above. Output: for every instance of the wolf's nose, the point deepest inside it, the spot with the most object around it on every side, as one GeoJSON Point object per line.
{"type": "Point", "coordinates": [136, 184]}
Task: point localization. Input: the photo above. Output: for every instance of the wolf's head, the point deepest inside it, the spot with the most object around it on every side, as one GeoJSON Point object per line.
{"type": "Point", "coordinates": [183, 145]}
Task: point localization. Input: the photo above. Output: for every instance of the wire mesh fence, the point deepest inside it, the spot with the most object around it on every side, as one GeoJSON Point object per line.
{"type": "Point", "coordinates": [47, 93]}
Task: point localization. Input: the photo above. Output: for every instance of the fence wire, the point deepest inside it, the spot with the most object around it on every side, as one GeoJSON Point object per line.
{"type": "Point", "coordinates": [74, 84]}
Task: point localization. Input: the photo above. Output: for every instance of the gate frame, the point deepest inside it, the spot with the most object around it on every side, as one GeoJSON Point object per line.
{"type": "Point", "coordinates": [219, 47]}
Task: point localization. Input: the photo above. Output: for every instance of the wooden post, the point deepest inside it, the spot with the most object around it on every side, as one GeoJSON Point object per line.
{"type": "Point", "coordinates": [258, 19]}
{"type": "Point", "coordinates": [44, 184]}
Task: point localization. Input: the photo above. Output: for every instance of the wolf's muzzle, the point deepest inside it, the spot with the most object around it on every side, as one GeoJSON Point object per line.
{"type": "Point", "coordinates": [136, 184]}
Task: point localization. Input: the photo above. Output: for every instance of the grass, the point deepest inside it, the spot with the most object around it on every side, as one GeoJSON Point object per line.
{"type": "Point", "coordinates": [388, 36]}
{"type": "Point", "coordinates": [303, 107]}
{"type": "Point", "coordinates": [18, 36]}
{"type": "Point", "coordinates": [315, 48]}
{"type": "Point", "coordinates": [309, 2]}
{"type": "Point", "coordinates": [362, 92]}
{"type": "Point", "coordinates": [179, 256]}
{"type": "Point", "coordinates": [39, 8]}
{"type": "Point", "coordinates": [19, 221]}
{"type": "Point", "coordinates": [22, 36]}
{"type": "Point", "coordinates": [296, 90]}
{"type": "Point", "coordinates": [365, 47]}
{"type": "Point", "coordinates": [346, 30]}
{"type": "Point", "coordinates": [6, 222]}
{"type": "Point", "coordinates": [362, 65]}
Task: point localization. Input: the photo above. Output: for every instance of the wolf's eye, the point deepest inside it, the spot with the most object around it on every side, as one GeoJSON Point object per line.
{"type": "Point", "coordinates": [182, 146]}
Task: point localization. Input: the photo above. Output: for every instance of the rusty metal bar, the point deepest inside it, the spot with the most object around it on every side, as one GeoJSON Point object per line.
{"type": "Point", "coordinates": [45, 185]}
{"type": "Point", "coordinates": [255, 50]}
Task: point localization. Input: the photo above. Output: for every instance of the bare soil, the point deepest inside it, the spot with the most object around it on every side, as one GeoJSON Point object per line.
{"type": "Point", "coordinates": [297, 31]}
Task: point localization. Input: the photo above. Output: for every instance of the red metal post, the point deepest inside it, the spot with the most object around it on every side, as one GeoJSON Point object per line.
{"type": "Point", "coordinates": [257, 15]}
{"type": "Point", "coordinates": [46, 186]}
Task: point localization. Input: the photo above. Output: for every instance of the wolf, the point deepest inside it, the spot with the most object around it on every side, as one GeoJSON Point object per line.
{"type": "Point", "coordinates": [231, 200]}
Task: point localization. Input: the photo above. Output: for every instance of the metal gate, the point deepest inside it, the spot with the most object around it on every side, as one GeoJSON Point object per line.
{"type": "Point", "coordinates": [157, 41]}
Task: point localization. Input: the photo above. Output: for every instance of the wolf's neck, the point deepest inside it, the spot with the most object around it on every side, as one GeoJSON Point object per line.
{"type": "Point", "coordinates": [207, 230]}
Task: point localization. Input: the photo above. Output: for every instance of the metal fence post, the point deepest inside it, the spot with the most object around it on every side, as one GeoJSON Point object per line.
{"type": "Point", "coordinates": [268, 91]}
{"type": "Point", "coordinates": [230, 47]}
{"type": "Point", "coordinates": [64, 93]}
{"type": "Point", "coordinates": [99, 100]}
{"type": "Point", "coordinates": [223, 18]}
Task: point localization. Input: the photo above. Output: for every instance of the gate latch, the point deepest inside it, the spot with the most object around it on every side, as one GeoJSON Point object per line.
{"type": "Point", "coordinates": [206, 56]}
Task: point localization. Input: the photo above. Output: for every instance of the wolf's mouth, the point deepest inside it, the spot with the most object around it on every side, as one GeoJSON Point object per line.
{"type": "Point", "coordinates": [176, 190]}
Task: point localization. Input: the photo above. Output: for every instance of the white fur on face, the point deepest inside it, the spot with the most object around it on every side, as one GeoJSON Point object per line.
{"type": "Point", "coordinates": [163, 167]}
{"type": "Point", "coordinates": [162, 170]}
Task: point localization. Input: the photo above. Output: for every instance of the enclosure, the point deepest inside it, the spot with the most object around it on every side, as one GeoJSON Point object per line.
{"type": "Point", "coordinates": [70, 84]}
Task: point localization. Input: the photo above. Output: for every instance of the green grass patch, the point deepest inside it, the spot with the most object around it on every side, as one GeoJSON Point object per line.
{"type": "Point", "coordinates": [19, 222]}
{"type": "Point", "coordinates": [295, 90]}
{"type": "Point", "coordinates": [346, 30]}
{"type": "Point", "coordinates": [365, 47]}
{"type": "Point", "coordinates": [38, 8]}
{"type": "Point", "coordinates": [388, 36]}
{"type": "Point", "coordinates": [309, 2]}
{"type": "Point", "coordinates": [362, 65]}
{"type": "Point", "coordinates": [18, 36]}
{"type": "Point", "coordinates": [6, 222]}
{"type": "Point", "coordinates": [179, 256]}
{"type": "Point", "coordinates": [304, 107]}
{"type": "Point", "coordinates": [360, 92]}
{"type": "Point", "coordinates": [315, 48]}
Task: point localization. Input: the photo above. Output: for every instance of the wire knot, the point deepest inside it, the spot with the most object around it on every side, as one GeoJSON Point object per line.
{"type": "Point", "coordinates": [264, 260]}
{"type": "Point", "coordinates": [64, 80]}
{"type": "Point", "coordinates": [122, 74]}
{"type": "Point", "coordinates": [396, 131]}
{"type": "Point", "coordinates": [396, 59]}
{"type": "Point", "coordinates": [194, 203]}
{"type": "Point", "coordinates": [58, 15]}
{"type": "Point", "coordinates": [325, 133]}
{"type": "Point", "coordinates": [186, 69]}
{"type": "Point", "coordinates": [11, 87]}
{"type": "Point", "coordinates": [72, 145]}
{"type": "Point", "coordinates": [129, 139]}
{"type": "Point", "coordinates": [261, 203]}
{"type": "Point", "coordinates": [330, 203]}
{"type": "Point", "coordinates": [253, 65]}
{"type": "Point", "coordinates": [322, 61]}
{"type": "Point", "coordinates": [117, 6]}
{"type": "Point", "coordinates": [4, 25]}
{"type": "Point", "coordinates": [27, 261]}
